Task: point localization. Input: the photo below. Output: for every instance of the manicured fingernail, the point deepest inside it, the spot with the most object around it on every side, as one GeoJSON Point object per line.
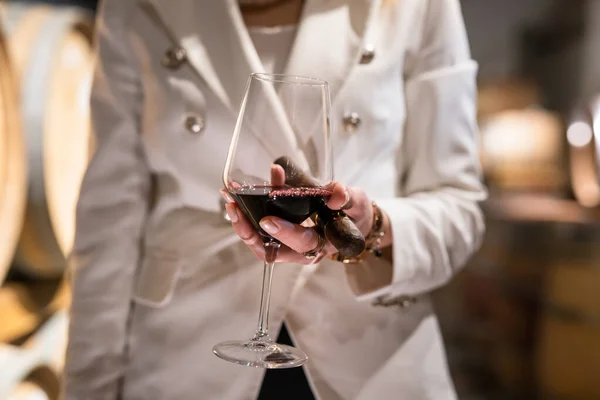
{"type": "Point", "coordinates": [232, 213]}
{"type": "Point", "coordinates": [269, 226]}
{"type": "Point", "coordinates": [226, 196]}
{"type": "Point", "coordinates": [274, 225]}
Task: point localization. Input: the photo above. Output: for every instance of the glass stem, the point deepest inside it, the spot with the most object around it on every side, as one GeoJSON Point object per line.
{"type": "Point", "coordinates": [271, 250]}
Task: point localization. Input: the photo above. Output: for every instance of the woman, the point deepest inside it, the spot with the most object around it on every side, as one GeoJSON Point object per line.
{"type": "Point", "coordinates": [160, 276]}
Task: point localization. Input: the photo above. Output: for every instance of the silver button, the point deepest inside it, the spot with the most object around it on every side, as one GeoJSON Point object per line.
{"type": "Point", "coordinates": [194, 124]}
{"type": "Point", "coordinates": [174, 57]}
{"type": "Point", "coordinates": [351, 122]}
{"type": "Point", "coordinates": [368, 54]}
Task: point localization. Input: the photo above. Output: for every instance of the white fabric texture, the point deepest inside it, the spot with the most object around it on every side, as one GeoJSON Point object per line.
{"type": "Point", "coordinates": [156, 284]}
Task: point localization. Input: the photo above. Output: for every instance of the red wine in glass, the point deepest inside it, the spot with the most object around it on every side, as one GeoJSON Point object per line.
{"type": "Point", "coordinates": [293, 204]}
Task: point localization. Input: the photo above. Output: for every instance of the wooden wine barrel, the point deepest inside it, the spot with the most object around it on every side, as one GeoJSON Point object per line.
{"type": "Point", "coordinates": [50, 343]}
{"type": "Point", "coordinates": [568, 360]}
{"type": "Point", "coordinates": [40, 359]}
{"type": "Point", "coordinates": [29, 382]}
{"type": "Point", "coordinates": [24, 307]}
{"type": "Point", "coordinates": [13, 173]}
{"type": "Point", "coordinates": [52, 52]}
{"type": "Point", "coordinates": [19, 313]}
{"type": "Point", "coordinates": [16, 365]}
{"type": "Point", "coordinates": [28, 390]}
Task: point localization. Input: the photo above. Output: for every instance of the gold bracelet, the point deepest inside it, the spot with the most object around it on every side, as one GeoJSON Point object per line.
{"type": "Point", "coordinates": [374, 237]}
{"type": "Point", "coordinates": [373, 240]}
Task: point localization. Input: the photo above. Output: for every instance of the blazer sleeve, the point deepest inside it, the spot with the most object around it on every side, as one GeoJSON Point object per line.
{"type": "Point", "coordinates": [436, 221]}
{"type": "Point", "coordinates": [111, 212]}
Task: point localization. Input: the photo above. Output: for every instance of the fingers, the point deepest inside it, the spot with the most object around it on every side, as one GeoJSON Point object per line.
{"type": "Point", "coordinates": [355, 204]}
{"type": "Point", "coordinates": [287, 255]}
{"type": "Point", "coordinates": [340, 196]}
{"type": "Point", "coordinates": [297, 237]}
{"type": "Point", "coordinates": [226, 196]}
{"type": "Point", "coordinates": [234, 185]}
{"type": "Point", "coordinates": [353, 201]}
{"type": "Point", "coordinates": [244, 229]}
{"type": "Point", "coordinates": [254, 241]}
{"type": "Point", "coordinates": [277, 175]}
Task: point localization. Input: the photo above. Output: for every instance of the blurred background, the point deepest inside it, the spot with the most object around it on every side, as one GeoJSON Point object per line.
{"type": "Point", "coordinates": [522, 321]}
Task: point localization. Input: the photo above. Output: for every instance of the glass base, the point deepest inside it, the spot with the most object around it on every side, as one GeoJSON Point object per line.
{"type": "Point", "coordinates": [260, 353]}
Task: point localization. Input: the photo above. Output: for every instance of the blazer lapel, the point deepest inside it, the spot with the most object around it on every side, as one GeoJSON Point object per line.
{"type": "Point", "coordinates": [220, 50]}
{"type": "Point", "coordinates": [329, 43]}
{"type": "Point", "coordinates": [331, 38]}
{"type": "Point", "coordinates": [215, 40]}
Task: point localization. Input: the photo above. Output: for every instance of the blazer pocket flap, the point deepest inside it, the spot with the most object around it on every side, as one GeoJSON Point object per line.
{"type": "Point", "coordinates": [156, 279]}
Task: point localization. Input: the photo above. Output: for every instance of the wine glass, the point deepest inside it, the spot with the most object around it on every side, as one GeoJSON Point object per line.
{"type": "Point", "coordinates": [279, 164]}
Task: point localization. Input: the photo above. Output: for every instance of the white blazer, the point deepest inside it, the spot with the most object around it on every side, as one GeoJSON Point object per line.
{"type": "Point", "coordinates": [160, 277]}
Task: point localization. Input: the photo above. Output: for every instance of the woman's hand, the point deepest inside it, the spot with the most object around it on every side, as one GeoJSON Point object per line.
{"type": "Point", "coordinates": [298, 239]}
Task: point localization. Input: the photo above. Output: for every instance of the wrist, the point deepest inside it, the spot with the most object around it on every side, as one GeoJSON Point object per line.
{"type": "Point", "coordinates": [387, 239]}
{"type": "Point", "coordinates": [375, 236]}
